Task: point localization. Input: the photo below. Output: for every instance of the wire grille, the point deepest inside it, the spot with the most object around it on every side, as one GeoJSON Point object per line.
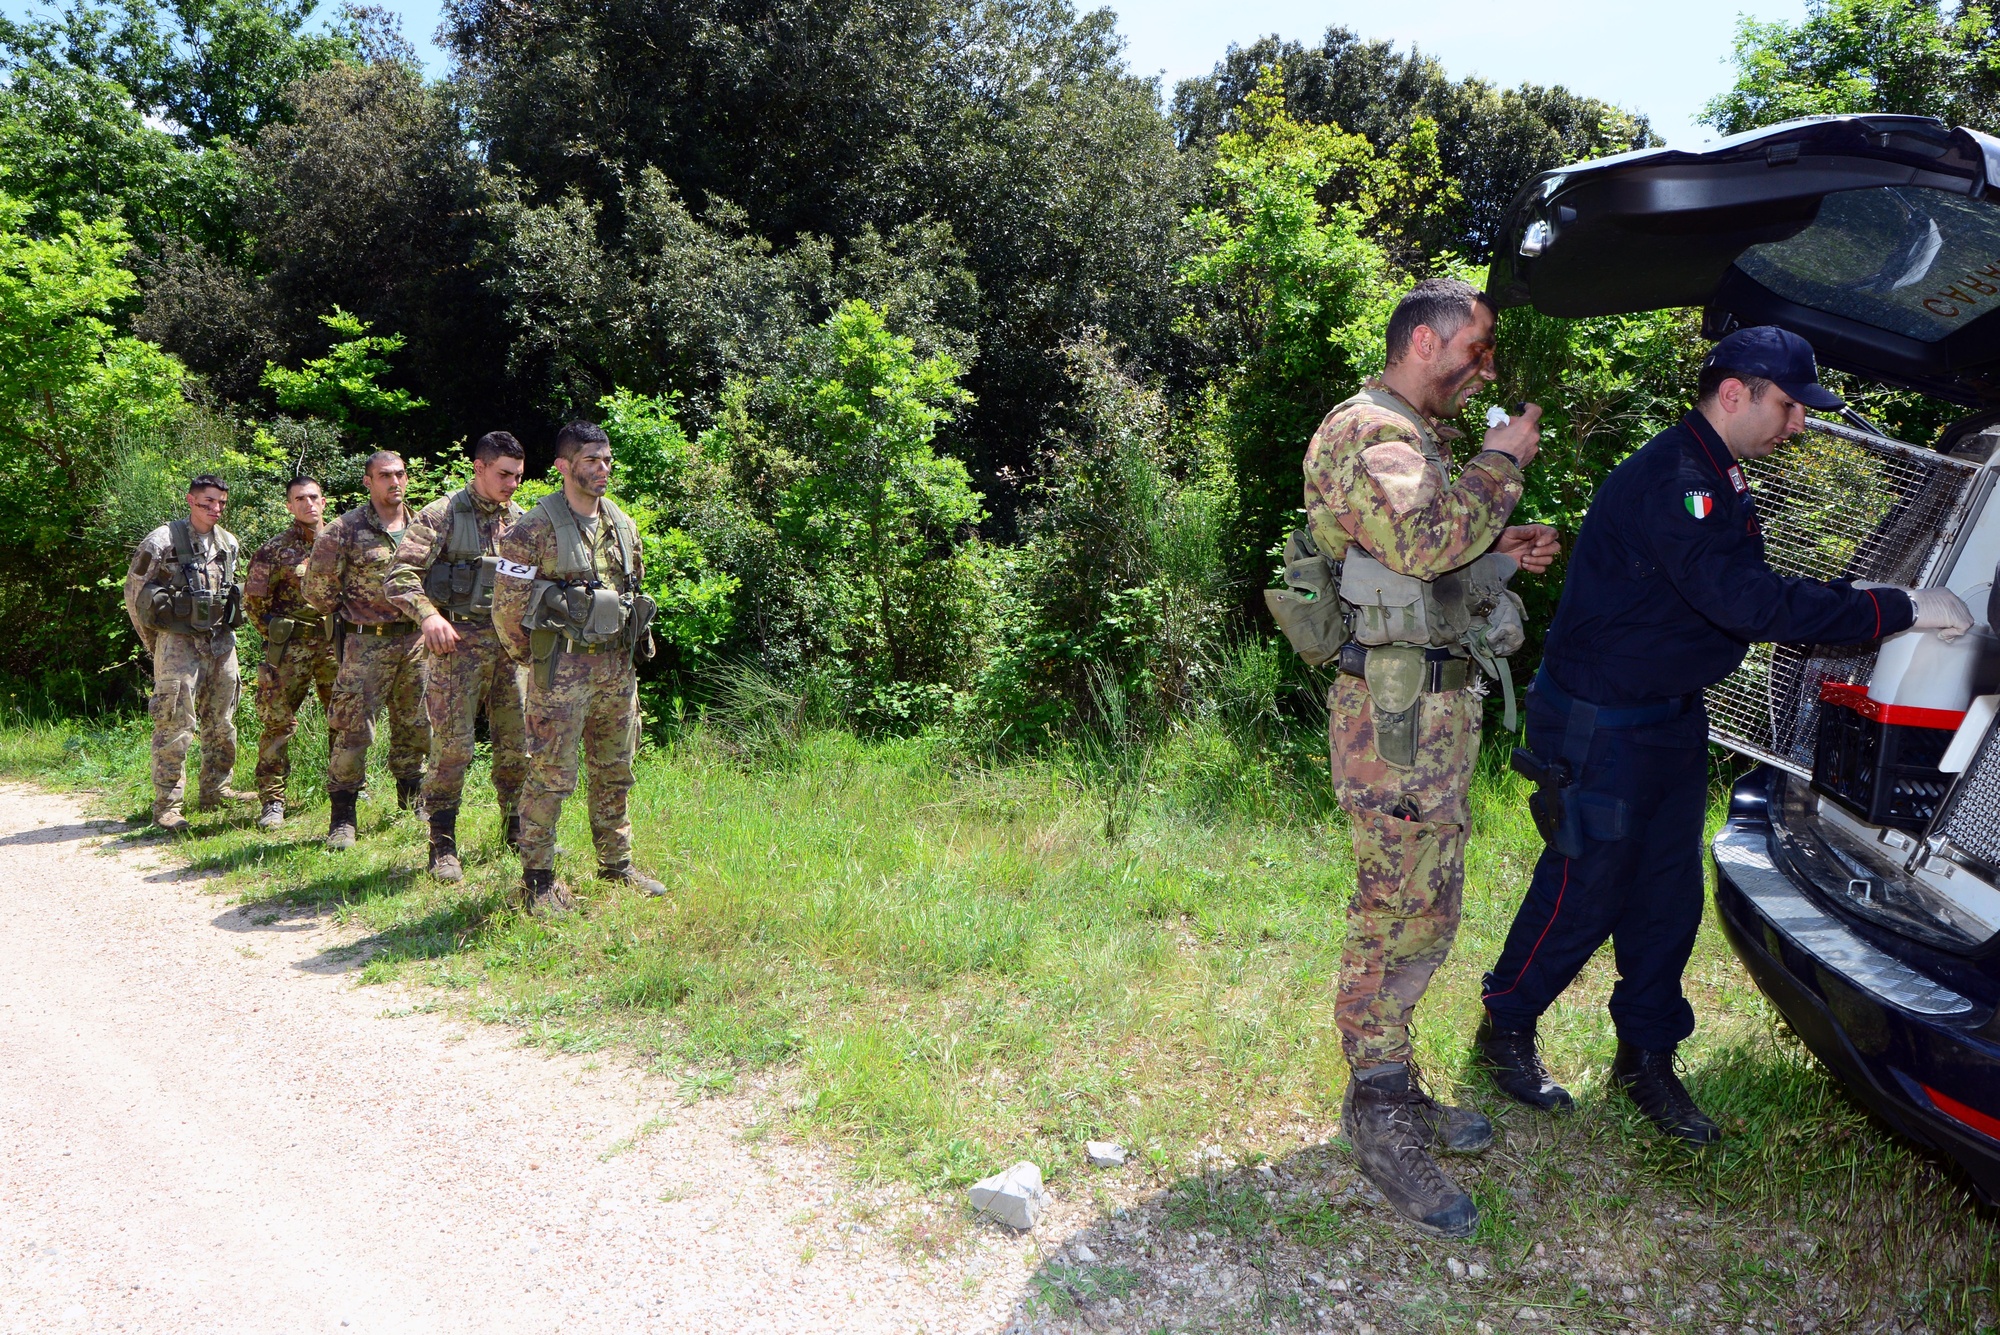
{"type": "Point", "coordinates": [1835, 503]}
{"type": "Point", "coordinates": [1970, 820]}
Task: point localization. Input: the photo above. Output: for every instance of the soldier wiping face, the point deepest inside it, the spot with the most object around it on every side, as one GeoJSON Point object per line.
{"type": "Point", "coordinates": [307, 503]}
{"type": "Point", "coordinates": [205, 505]}
{"type": "Point", "coordinates": [1454, 365]}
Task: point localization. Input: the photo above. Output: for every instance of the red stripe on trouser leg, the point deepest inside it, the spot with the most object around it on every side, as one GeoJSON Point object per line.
{"type": "Point", "coordinates": [1560, 889]}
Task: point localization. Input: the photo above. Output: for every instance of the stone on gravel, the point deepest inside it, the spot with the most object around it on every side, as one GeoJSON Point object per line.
{"type": "Point", "coordinates": [1014, 1197]}
{"type": "Point", "coordinates": [1104, 1153]}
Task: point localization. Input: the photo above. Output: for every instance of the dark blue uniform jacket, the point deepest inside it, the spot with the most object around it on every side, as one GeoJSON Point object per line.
{"type": "Point", "coordinates": [1667, 588]}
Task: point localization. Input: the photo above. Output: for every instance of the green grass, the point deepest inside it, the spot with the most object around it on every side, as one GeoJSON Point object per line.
{"type": "Point", "coordinates": [955, 969]}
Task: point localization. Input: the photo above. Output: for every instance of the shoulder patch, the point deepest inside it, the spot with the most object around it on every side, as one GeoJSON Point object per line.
{"type": "Point", "coordinates": [1700, 504]}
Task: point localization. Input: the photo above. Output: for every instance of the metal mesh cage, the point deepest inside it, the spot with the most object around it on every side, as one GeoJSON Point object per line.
{"type": "Point", "coordinates": [1835, 503]}
{"type": "Point", "coordinates": [1970, 819]}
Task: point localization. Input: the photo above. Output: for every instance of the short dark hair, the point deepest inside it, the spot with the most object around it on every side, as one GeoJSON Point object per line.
{"type": "Point", "coordinates": [577, 435]}
{"type": "Point", "coordinates": [207, 482]}
{"type": "Point", "coordinates": [381, 456]}
{"type": "Point", "coordinates": [1711, 378]}
{"type": "Point", "coordinates": [298, 480]}
{"type": "Point", "coordinates": [1444, 305]}
{"type": "Point", "coordinates": [497, 445]}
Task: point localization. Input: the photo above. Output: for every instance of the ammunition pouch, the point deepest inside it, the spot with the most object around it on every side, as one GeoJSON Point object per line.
{"type": "Point", "coordinates": [1398, 676]}
{"type": "Point", "coordinates": [181, 610]}
{"type": "Point", "coordinates": [1308, 608]}
{"type": "Point", "coordinates": [463, 590]}
{"type": "Point", "coordinates": [640, 628]}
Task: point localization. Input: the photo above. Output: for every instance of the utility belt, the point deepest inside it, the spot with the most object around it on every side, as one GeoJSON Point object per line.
{"type": "Point", "coordinates": [1564, 814]}
{"type": "Point", "coordinates": [281, 632]}
{"type": "Point", "coordinates": [1443, 670]}
{"type": "Point", "coordinates": [385, 629]}
{"type": "Point", "coordinates": [467, 618]}
{"type": "Point", "coordinates": [584, 617]}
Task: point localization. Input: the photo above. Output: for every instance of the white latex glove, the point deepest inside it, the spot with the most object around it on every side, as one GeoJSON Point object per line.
{"type": "Point", "coordinates": [1940, 610]}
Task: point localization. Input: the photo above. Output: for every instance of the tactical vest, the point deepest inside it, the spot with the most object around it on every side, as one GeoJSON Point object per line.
{"type": "Point", "coordinates": [460, 581]}
{"type": "Point", "coordinates": [1404, 631]}
{"type": "Point", "coordinates": [570, 604]}
{"type": "Point", "coordinates": [184, 600]}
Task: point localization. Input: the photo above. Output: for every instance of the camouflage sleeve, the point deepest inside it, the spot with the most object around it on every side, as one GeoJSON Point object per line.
{"type": "Point", "coordinates": [257, 591]}
{"type": "Point", "coordinates": [323, 570]}
{"type": "Point", "coordinates": [403, 586]}
{"type": "Point", "coordinates": [521, 558]}
{"type": "Point", "coordinates": [1402, 510]}
{"type": "Point", "coordinates": [136, 577]}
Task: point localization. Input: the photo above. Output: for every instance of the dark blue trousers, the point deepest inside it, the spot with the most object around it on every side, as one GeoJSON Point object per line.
{"type": "Point", "coordinates": [1638, 884]}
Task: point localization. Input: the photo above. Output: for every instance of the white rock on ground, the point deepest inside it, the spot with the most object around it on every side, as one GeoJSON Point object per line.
{"type": "Point", "coordinates": [1104, 1153]}
{"type": "Point", "coordinates": [205, 1126]}
{"type": "Point", "coordinates": [1014, 1197]}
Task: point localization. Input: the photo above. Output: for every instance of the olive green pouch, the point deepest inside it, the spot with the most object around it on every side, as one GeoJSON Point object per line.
{"type": "Point", "coordinates": [1395, 677]}
{"type": "Point", "coordinates": [1307, 609]}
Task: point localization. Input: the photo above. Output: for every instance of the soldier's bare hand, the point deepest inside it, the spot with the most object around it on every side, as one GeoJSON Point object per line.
{"type": "Point", "coordinates": [1534, 546]}
{"type": "Point", "coordinates": [439, 635]}
{"type": "Point", "coordinates": [1520, 439]}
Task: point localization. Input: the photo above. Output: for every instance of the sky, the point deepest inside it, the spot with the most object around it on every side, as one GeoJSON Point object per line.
{"type": "Point", "coordinates": [1663, 60]}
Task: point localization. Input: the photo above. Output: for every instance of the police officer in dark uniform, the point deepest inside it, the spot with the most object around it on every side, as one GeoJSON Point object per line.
{"type": "Point", "coordinates": [1666, 591]}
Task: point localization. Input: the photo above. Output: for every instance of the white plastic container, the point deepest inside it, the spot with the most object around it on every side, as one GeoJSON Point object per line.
{"type": "Point", "coordinates": [1918, 670]}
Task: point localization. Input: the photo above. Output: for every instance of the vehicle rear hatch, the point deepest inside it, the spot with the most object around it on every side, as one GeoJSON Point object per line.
{"type": "Point", "coordinates": [1876, 238]}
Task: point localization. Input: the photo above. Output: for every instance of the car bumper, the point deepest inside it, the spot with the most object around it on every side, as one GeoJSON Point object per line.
{"type": "Point", "coordinates": [1892, 1036]}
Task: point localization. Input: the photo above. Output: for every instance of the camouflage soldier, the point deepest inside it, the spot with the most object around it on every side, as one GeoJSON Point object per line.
{"type": "Point", "coordinates": [569, 606]}
{"type": "Point", "coordinates": [443, 577]}
{"type": "Point", "coordinates": [298, 650]}
{"type": "Point", "coordinates": [1404, 710]}
{"type": "Point", "coordinates": [381, 653]}
{"type": "Point", "coordinates": [183, 598]}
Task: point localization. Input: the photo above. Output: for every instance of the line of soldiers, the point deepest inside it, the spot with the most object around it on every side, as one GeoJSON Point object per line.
{"type": "Point", "coordinates": [535, 618]}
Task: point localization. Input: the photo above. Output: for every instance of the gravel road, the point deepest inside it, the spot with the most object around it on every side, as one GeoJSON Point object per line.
{"type": "Point", "coordinates": [205, 1125]}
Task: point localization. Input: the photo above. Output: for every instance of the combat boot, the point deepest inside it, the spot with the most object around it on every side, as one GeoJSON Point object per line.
{"type": "Point", "coordinates": [542, 894]}
{"type": "Point", "coordinates": [340, 825]}
{"type": "Point", "coordinates": [630, 875]}
{"type": "Point", "coordinates": [1459, 1130]}
{"type": "Point", "coordinates": [1648, 1079]}
{"type": "Point", "coordinates": [409, 795]}
{"type": "Point", "coordinates": [222, 797]}
{"type": "Point", "coordinates": [170, 819]}
{"type": "Point", "coordinates": [444, 846]}
{"type": "Point", "coordinates": [1380, 1119]}
{"type": "Point", "coordinates": [1509, 1056]}
{"type": "Point", "coordinates": [272, 816]}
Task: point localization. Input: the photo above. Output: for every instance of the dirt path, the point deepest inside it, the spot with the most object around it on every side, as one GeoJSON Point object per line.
{"type": "Point", "coordinates": [206, 1126]}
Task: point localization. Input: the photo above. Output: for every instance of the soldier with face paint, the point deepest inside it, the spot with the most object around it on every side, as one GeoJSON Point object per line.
{"type": "Point", "coordinates": [1403, 714]}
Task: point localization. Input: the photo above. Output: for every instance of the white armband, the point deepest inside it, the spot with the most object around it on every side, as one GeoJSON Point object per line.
{"type": "Point", "coordinates": [514, 570]}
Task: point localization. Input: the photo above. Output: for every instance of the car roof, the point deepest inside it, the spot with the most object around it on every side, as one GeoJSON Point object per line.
{"type": "Point", "coordinates": [1875, 238]}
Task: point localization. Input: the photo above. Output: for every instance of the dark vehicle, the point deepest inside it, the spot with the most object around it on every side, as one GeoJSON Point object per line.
{"type": "Point", "coordinates": [1858, 875]}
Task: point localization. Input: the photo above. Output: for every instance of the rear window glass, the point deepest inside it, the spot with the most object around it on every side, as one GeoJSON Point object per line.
{"type": "Point", "coordinates": [1916, 262]}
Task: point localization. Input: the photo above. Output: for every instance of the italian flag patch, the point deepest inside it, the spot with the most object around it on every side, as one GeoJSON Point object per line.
{"type": "Point", "coordinates": [1699, 503]}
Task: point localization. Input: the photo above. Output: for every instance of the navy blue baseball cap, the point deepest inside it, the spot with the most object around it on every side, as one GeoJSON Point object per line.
{"type": "Point", "coordinates": [1777, 355]}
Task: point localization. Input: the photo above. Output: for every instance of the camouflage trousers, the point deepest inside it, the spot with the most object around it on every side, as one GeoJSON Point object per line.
{"type": "Point", "coordinates": [195, 687]}
{"type": "Point", "coordinates": [1408, 826]}
{"type": "Point", "coordinates": [281, 688]}
{"type": "Point", "coordinates": [592, 705]}
{"type": "Point", "coordinates": [377, 672]}
{"type": "Point", "coordinates": [476, 672]}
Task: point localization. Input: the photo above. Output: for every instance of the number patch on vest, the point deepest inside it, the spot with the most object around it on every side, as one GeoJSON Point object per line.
{"type": "Point", "coordinates": [514, 570]}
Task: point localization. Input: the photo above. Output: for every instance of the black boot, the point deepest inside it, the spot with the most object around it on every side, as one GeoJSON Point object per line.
{"type": "Point", "coordinates": [1379, 1117]}
{"type": "Point", "coordinates": [340, 826]}
{"type": "Point", "coordinates": [1459, 1130]}
{"type": "Point", "coordinates": [1509, 1056]}
{"type": "Point", "coordinates": [1649, 1080]}
{"type": "Point", "coordinates": [444, 846]}
{"type": "Point", "coordinates": [543, 894]}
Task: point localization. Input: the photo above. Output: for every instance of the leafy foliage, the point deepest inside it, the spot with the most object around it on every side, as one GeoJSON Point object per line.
{"type": "Point", "coordinates": [343, 383]}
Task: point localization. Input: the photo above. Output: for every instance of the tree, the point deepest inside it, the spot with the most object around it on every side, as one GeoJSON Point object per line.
{"type": "Point", "coordinates": [344, 384]}
{"type": "Point", "coordinates": [1489, 141]}
{"type": "Point", "coordinates": [1915, 57]}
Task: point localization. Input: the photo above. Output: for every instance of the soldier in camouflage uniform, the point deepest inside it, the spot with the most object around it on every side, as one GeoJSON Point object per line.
{"type": "Point", "coordinates": [569, 606]}
{"type": "Point", "coordinates": [382, 654]}
{"type": "Point", "coordinates": [443, 578]}
{"type": "Point", "coordinates": [1378, 481]}
{"type": "Point", "coordinates": [298, 651]}
{"type": "Point", "coordinates": [183, 599]}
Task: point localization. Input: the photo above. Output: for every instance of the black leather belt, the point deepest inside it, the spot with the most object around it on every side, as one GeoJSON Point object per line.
{"type": "Point", "coordinates": [387, 628]}
{"type": "Point", "coordinates": [1444, 669]}
{"type": "Point", "coordinates": [577, 647]}
{"type": "Point", "coordinates": [468, 618]}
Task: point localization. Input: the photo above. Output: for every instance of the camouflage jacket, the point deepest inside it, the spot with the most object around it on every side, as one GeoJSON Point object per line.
{"type": "Point", "coordinates": [348, 562]}
{"type": "Point", "coordinates": [275, 586]}
{"type": "Point", "coordinates": [154, 560]}
{"type": "Point", "coordinates": [1378, 474]}
{"type": "Point", "coordinates": [528, 548]}
{"type": "Point", "coordinates": [425, 541]}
